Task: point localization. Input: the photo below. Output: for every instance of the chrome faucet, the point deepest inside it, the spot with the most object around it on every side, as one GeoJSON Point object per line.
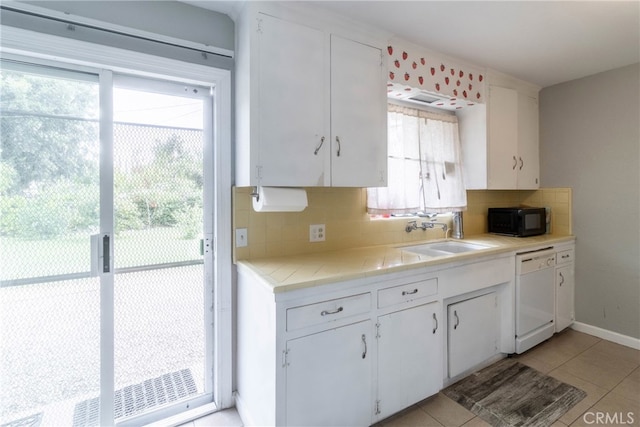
{"type": "Point", "coordinates": [413, 225]}
{"type": "Point", "coordinates": [444, 226]}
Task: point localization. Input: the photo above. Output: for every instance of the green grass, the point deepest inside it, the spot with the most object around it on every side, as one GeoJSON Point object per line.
{"type": "Point", "coordinates": [21, 259]}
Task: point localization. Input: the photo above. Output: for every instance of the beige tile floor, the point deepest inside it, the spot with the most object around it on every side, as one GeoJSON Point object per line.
{"type": "Point", "coordinates": [609, 373]}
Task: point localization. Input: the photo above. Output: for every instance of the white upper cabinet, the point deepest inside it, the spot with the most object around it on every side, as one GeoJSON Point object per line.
{"type": "Point", "coordinates": [291, 93]}
{"type": "Point", "coordinates": [503, 138]}
{"type": "Point", "coordinates": [528, 143]}
{"type": "Point", "coordinates": [311, 105]}
{"type": "Point", "coordinates": [358, 115]}
{"type": "Point", "coordinates": [500, 141]}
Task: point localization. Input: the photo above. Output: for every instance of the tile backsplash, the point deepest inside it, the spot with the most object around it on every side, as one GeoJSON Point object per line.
{"type": "Point", "coordinates": [343, 212]}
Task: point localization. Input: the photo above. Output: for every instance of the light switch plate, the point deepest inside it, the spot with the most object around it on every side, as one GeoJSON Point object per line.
{"type": "Point", "coordinates": [241, 237]}
{"type": "Point", "coordinates": [317, 233]}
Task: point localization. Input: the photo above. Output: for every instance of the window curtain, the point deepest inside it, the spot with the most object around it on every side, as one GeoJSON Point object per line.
{"type": "Point", "coordinates": [424, 165]}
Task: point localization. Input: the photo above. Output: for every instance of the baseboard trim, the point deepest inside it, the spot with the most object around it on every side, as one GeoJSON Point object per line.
{"type": "Point", "coordinates": [607, 335]}
{"type": "Point", "coordinates": [245, 416]}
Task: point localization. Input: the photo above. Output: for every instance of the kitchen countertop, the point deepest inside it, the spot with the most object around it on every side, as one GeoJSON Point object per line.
{"type": "Point", "coordinates": [287, 273]}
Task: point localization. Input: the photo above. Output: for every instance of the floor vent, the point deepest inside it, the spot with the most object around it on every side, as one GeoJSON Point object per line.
{"type": "Point", "coordinates": [31, 421]}
{"type": "Point", "coordinates": [136, 398]}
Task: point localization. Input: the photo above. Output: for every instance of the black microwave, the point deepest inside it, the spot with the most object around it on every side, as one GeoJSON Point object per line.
{"type": "Point", "coordinates": [520, 221]}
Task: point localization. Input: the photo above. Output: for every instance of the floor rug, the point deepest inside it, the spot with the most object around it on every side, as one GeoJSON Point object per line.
{"type": "Point", "coordinates": [509, 393]}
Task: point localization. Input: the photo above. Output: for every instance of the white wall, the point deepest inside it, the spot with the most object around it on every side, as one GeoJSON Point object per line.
{"type": "Point", "coordinates": [159, 28]}
{"type": "Point", "coordinates": [169, 18]}
{"type": "Point", "coordinates": [589, 140]}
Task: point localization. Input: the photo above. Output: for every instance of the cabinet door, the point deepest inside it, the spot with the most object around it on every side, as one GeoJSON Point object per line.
{"type": "Point", "coordinates": [329, 377]}
{"type": "Point", "coordinates": [358, 115]}
{"type": "Point", "coordinates": [409, 357]}
{"type": "Point", "coordinates": [292, 104]}
{"type": "Point", "coordinates": [473, 332]}
{"type": "Point", "coordinates": [528, 144]}
{"type": "Point", "coordinates": [503, 138]}
{"type": "Point", "coordinates": [565, 285]}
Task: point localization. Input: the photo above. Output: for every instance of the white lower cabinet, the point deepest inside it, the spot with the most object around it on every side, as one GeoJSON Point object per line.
{"type": "Point", "coordinates": [354, 352]}
{"type": "Point", "coordinates": [409, 357]}
{"type": "Point", "coordinates": [565, 288]}
{"type": "Point", "coordinates": [328, 377]}
{"type": "Point", "coordinates": [472, 332]}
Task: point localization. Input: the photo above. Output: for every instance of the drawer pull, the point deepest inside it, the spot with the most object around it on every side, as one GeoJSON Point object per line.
{"type": "Point", "coordinates": [327, 312]}
{"type": "Point", "coordinates": [415, 291]}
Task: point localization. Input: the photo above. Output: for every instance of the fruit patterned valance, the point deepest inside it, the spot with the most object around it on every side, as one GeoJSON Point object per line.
{"type": "Point", "coordinates": [412, 72]}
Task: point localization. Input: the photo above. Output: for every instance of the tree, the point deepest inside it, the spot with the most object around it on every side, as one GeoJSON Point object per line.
{"type": "Point", "coordinates": [49, 155]}
{"type": "Point", "coordinates": [48, 129]}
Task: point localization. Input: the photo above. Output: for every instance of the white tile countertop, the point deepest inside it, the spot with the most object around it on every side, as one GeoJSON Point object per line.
{"type": "Point", "coordinates": [288, 273]}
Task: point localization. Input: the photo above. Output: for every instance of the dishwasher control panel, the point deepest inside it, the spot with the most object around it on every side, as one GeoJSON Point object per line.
{"type": "Point", "coordinates": [527, 263]}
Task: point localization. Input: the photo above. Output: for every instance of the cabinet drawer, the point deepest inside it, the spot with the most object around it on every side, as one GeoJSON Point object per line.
{"type": "Point", "coordinates": [407, 292]}
{"type": "Point", "coordinates": [327, 311]}
{"type": "Point", "coordinates": [564, 257]}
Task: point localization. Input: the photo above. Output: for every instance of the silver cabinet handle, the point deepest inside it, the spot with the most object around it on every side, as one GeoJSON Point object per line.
{"type": "Point", "coordinates": [415, 291]}
{"type": "Point", "coordinates": [319, 146]}
{"type": "Point", "coordinates": [455, 314]}
{"type": "Point", "coordinates": [515, 162]}
{"type": "Point", "coordinates": [435, 319]}
{"type": "Point", "coordinates": [561, 279]}
{"type": "Point", "coordinates": [521, 162]}
{"type": "Point", "coordinates": [338, 141]}
{"type": "Point", "coordinates": [364, 341]}
{"type": "Point", "coordinates": [327, 312]}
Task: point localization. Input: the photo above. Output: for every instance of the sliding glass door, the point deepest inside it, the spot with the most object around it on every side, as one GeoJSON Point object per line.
{"type": "Point", "coordinates": [105, 307]}
{"type": "Point", "coordinates": [160, 295]}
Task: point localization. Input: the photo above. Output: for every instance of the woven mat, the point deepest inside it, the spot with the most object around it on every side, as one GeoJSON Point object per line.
{"type": "Point", "coordinates": [509, 393]}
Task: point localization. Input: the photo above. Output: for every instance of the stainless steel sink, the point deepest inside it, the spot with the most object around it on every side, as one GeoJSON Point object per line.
{"type": "Point", "coordinates": [443, 248]}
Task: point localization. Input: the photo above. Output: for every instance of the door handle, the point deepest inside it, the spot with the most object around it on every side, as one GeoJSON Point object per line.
{"type": "Point", "coordinates": [106, 254]}
{"type": "Point", "coordinates": [455, 314]}
{"type": "Point", "coordinates": [515, 163]}
{"type": "Point", "coordinates": [435, 319]}
{"type": "Point", "coordinates": [521, 162]}
{"type": "Point", "coordinates": [319, 146]}
{"type": "Point", "coordinates": [364, 341]}
{"type": "Point", "coordinates": [561, 279]}
{"type": "Point", "coordinates": [338, 142]}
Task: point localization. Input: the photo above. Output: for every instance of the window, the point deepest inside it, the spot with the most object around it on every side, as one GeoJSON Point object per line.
{"type": "Point", "coordinates": [425, 169]}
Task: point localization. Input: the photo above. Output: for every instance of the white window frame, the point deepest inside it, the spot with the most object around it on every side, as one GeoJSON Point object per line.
{"type": "Point", "coordinates": [16, 42]}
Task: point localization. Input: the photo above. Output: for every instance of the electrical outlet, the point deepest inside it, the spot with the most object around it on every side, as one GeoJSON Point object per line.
{"type": "Point", "coordinates": [241, 237]}
{"type": "Point", "coordinates": [317, 233]}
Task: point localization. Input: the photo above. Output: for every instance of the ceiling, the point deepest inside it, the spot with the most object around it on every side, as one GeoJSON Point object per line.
{"type": "Point", "coordinates": [542, 42]}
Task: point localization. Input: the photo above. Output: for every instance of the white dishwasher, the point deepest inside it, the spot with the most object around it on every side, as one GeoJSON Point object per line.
{"type": "Point", "coordinates": [535, 298]}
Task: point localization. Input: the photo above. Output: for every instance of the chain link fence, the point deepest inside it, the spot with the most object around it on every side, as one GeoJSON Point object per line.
{"type": "Point", "coordinates": [50, 316]}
